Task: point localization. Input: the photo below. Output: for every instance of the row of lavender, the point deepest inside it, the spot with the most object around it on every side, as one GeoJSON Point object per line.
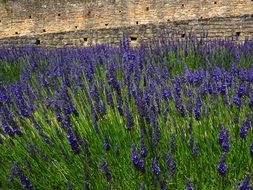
{"type": "Point", "coordinates": [174, 115]}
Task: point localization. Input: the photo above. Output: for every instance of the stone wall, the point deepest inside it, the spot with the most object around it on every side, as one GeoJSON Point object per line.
{"type": "Point", "coordinates": [237, 28]}
{"type": "Point", "coordinates": [32, 17]}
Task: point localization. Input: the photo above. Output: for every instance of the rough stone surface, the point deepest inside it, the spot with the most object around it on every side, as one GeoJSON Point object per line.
{"type": "Point", "coordinates": [84, 22]}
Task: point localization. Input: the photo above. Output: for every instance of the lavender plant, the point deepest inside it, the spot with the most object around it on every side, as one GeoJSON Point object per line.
{"type": "Point", "coordinates": [127, 117]}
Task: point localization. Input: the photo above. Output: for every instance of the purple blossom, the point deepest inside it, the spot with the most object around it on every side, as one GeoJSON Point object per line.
{"type": "Point", "coordinates": [224, 139]}
{"type": "Point", "coordinates": [222, 167]}
{"type": "Point", "coordinates": [163, 184]}
{"type": "Point", "coordinates": [109, 98]}
{"type": "Point", "coordinates": [245, 127]}
{"type": "Point", "coordinates": [143, 150]}
{"type": "Point", "coordinates": [106, 170]}
{"type": "Point", "coordinates": [119, 105]}
{"type": "Point", "coordinates": [245, 184]}
{"type": "Point", "coordinates": [7, 129]}
{"type": "Point", "coordinates": [135, 158]}
{"type": "Point", "coordinates": [138, 163]}
{"type": "Point", "coordinates": [197, 112]}
{"type": "Point", "coordinates": [107, 145]}
{"type": "Point", "coordinates": [155, 168]}
{"type": "Point", "coordinates": [237, 101]}
{"type": "Point", "coordinates": [129, 119]}
{"type": "Point", "coordinates": [24, 112]}
{"type": "Point", "coordinates": [73, 141]}
{"type": "Point", "coordinates": [241, 90]}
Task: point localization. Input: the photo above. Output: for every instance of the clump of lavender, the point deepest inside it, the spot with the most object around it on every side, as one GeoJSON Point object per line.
{"type": "Point", "coordinates": [143, 150]}
{"type": "Point", "coordinates": [119, 105]}
{"type": "Point", "coordinates": [245, 184]}
{"type": "Point", "coordinates": [237, 100]}
{"type": "Point", "coordinates": [16, 130]}
{"type": "Point", "coordinates": [109, 98]}
{"type": "Point", "coordinates": [155, 168]}
{"type": "Point", "coordinates": [224, 139]}
{"type": "Point", "coordinates": [107, 145]}
{"type": "Point", "coordinates": [7, 129]}
{"type": "Point", "coordinates": [138, 163]}
{"type": "Point", "coordinates": [197, 112]}
{"type": "Point", "coordinates": [222, 167]}
{"type": "Point", "coordinates": [73, 141]}
{"type": "Point", "coordinates": [105, 169]}
{"type": "Point", "coordinates": [245, 127]}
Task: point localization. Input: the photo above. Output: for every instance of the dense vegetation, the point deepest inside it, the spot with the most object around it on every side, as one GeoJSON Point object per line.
{"type": "Point", "coordinates": [176, 115]}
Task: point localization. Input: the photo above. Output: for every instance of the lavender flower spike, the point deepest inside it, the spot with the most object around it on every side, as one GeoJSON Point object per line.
{"type": "Point", "coordinates": [106, 170]}
{"type": "Point", "coordinates": [222, 167]}
{"type": "Point", "coordinates": [155, 168]}
{"type": "Point", "coordinates": [245, 184]}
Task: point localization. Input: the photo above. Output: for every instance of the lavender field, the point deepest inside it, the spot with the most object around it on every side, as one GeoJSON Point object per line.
{"type": "Point", "coordinates": [174, 115]}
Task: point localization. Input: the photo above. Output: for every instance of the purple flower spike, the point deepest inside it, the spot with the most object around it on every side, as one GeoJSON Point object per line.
{"type": "Point", "coordinates": [224, 139]}
{"type": "Point", "coordinates": [222, 167]}
{"type": "Point", "coordinates": [245, 184]}
{"type": "Point", "coordinates": [135, 158]}
{"type": "Point", "coordinates": [155, 168]}
{"type": "Point", "coordinates": [7, 129]}
{"type": "Point", "coordinates": [129, 119]}
{"type": "Point", "coordinates": [106, 170]}
{"type": "Point", "coordinates": [143, 151]}
{"type": "Point", "coordinates": [138, 163]}
{"type": "Point", "coordinates": [73, 141]}
{"type": "Point", "coordinates": [107, 145]}
{"type": "Point", "coordinates": [244, 129]}
{"type": "Point", "coordinates": [163, 184]}
{"type": "Point", "coordinates": [237, 100]}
